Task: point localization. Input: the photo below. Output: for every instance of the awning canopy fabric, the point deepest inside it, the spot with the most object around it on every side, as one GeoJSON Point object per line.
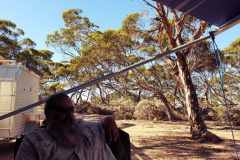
{"type": "Point", "coordinates": [215, 12]}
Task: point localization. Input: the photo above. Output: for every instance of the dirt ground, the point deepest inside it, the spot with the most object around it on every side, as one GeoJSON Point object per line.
{"type": "Point", "coordinates": [163, 140]}
{"type": "Point", "coordinates": [171, 141]}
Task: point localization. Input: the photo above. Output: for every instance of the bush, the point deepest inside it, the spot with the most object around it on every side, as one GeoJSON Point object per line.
{"type": "Point", "coordinates": [124, 112]}
{"type": "Point", "coordinates": [88, 108]}
{"type": "Point", "coordinates": [123, 108]}
{"type": "Point", "coordinates": [210, 114]}
{"type": "Point", "coordinates": [222, 115]}
{"type": "Point", "coordinates": [119, 111]}
{"type": "Point", "coordinates": [234, 116]}
{"type": "Point", "coordinates": [149, 110]}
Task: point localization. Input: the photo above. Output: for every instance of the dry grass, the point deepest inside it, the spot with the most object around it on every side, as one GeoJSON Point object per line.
{"type": "Point", "coordinates": [171, 141]}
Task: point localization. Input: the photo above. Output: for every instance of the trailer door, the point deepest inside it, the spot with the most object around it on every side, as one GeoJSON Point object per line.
{"type": "Point", "coordinates": [7, 97]}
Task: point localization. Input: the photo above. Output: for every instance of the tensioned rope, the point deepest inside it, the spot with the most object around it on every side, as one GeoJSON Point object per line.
{"type": "Point", "coordinates": [111, 75]}
{"type": "Point", "coordinates": [221, 71]}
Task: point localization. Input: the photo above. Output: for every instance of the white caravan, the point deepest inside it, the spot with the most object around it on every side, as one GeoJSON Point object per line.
{"type": "Point", "coordinates": [19, 86]}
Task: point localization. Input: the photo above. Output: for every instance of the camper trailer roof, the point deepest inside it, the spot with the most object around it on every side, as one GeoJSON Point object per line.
{"type": "Point", "coordinates": [10, 71]}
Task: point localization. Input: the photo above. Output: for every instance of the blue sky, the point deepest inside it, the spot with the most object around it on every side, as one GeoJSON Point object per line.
{"type": "Point", "coordinates": [40, 17]}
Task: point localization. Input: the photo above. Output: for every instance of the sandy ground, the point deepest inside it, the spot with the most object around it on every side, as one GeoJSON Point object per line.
{"type": "Point", "coordinates": [171, 141]}
{"type": "Point", "coordinates": [163, 140]}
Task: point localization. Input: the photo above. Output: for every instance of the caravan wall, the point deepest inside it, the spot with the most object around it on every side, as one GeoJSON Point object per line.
{"type": "Point", "coordinates": [7, 103]}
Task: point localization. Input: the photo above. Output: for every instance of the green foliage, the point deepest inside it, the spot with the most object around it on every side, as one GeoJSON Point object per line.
{"type": "Point", "coordinates": [74, 33]}
{"type": "Point", "coordinates": [27, 43]}
{"type": "Point", "coordinates": [149, 49]}
{"type": "Point", "coordinates": [96, 53]}
{"type": "Point", "coordinates": [234, 46]}
{"type": "Point", "coordinates": [123, 107]}
{"type": "Point", "coordinates": [9, 34]}
{"type": "Point", "coordinates": [124, 112]}
{"type": "Point", "coordinates": [225, 116]}
{"type": "Point", "coordinates": [131, 23]}
{"type": "Point", "coordinates": [231, 53]}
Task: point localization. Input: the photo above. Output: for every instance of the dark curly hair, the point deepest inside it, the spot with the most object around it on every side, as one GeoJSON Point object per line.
{"type": "Point", "coordinates": [54, 103]}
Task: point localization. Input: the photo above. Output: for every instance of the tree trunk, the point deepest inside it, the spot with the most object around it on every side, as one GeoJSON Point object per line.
{"type": "Point", "coordinates": [172, 114]}
{"type": "Point", "coordinates": [198, 128]}
{"type": "Point", "coordinates": [167, 105]}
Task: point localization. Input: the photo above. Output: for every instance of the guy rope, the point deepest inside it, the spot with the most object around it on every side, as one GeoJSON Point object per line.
{"type": "Point", "coordinates": [221, 70]}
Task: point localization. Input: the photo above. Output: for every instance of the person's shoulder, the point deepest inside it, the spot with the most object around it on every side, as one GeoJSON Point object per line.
{"type": "Point", "coordinates": [89, 124]}
{"type": "Point", "coordinates": [38, 134]}
{"type": "Point", "coordinates": [88, 127]}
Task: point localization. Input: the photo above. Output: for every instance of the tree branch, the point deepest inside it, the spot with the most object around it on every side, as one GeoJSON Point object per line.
{"type": "Point", "coordinates": [149, 4]}
{"type": "Point", "coordinates": [200, 31]}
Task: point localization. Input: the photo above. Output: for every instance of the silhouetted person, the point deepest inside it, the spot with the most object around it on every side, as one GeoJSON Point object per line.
{"type": "Point", "coordinates": [66, 139]}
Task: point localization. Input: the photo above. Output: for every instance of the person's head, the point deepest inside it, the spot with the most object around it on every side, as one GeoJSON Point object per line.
{"type": "Point", "coordinates": [59, 110]}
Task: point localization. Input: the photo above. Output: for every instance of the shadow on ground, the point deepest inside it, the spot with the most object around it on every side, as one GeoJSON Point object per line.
{"type": "Point", "coordinates": [180, 147]}
{"type": "Point", "coordinates": [126, 125]}
{"type": "Point", "coordinates": [226, 128]}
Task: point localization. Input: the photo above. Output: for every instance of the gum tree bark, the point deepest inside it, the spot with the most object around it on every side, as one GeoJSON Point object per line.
{"type": "Point", "coordinates": [198, 128]}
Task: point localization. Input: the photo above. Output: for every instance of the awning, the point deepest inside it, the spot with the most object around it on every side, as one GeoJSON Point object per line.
{"type": "Point", "coordinates": [215, 12]}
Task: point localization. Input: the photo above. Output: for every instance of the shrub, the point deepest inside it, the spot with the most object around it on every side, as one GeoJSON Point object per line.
{"type": "Point", "coordinates": [123, 108]}
{"type": "Point", "coordinates": [224, 115]}
{"type": "Point", "coordinates": [124, 112]}
{"type": "Point", "coordinates": [149, 110]}
{"type": "Point", "coordinates": [119, 111]}
{"type": "Point", "coordinates": [88, 108]}
{"type": "Point", "coordinates": [233, 115]}
{"type": "Point", "coordinates": [210, 114]}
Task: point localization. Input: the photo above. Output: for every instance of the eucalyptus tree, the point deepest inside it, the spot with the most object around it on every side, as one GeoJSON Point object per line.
{"type": "Point", "coordinates": [170, 29]}
{"type": "Point", "coordinates": [92, 52]}
{"type": "Point", "coordinates": [68, 40]}
{"type": "Point", "coordinates": [9, 36]}
{"type": "Point", "coordinates": [96, 53]}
